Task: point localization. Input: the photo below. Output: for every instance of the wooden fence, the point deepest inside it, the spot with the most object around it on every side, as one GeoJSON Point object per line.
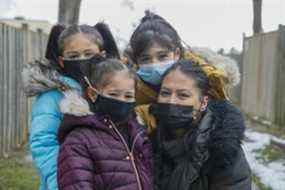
{"type": "Point", "coordinates": [17, 46]}
{"type": "Point", "coordinates": [263, 81]}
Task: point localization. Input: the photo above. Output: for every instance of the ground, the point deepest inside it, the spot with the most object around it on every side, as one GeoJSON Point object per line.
{"type": "Point", "coordinates": [266, 160]}
{"type": "Point", "coordinates": [17, 172]}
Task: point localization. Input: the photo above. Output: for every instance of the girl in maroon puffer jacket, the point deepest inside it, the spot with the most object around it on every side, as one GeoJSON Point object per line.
{"type": "Point", "coordinates": [103, 147]}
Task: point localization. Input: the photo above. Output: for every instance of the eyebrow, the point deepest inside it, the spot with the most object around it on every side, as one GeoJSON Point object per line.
{"type": "Point", "coordinates": [163, 52]}
{"type": "Point", "coordinates": [88, 50]}
{"type": "Point", "coordinates": [184, 90]}
{"type": "Point", "coordinates": [164, 88]}
{"type": "Point", "coordinates": [118, 90]}
{"type": "Point", "coordinates": [71, 52]}
{"type": "Point", "coordinates": [144, 56]}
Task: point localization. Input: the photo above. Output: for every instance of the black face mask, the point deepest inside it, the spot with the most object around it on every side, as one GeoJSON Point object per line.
{"type": "Point", "coordinates": [78, 69]}
{"type": "Point", "coordinates": [172, 116]}
{"type": "Point", "coordinates": [118, 111]}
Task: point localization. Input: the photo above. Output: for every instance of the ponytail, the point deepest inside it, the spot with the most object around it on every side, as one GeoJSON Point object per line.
{"type": "Point", "coordinates": [109, 43]}
{"type": "Point", "coordinates": [53, 49]}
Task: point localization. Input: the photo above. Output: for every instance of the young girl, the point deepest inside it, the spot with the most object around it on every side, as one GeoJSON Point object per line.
{"type": "Point", "coordinates": [103, 146]}
{"type": "Point", "coordinates": [155, 45]}
{"type": "Point", "coordinates": [77, 47]}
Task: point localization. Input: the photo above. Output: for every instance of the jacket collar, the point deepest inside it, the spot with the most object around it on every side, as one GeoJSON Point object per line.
{"type": "Point", "coordinates": [39, 77]}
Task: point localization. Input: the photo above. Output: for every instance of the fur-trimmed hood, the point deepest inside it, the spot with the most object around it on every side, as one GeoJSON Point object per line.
{"type": "Point", "coordinates": [74, 104]}
{"type": "Point", "coordinates": [226, 64]}
{"type": "Point", "coordinates": [39, 77]}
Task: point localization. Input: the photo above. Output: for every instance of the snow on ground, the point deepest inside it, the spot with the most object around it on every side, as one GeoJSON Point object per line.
{"type": "Point", "coordinates": [271, 174]}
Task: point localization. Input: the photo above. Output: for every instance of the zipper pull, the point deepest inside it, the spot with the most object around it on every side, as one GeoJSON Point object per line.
{"type": "Point", "coordinates": [131, 156]}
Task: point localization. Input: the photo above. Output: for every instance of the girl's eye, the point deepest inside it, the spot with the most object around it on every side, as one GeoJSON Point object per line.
{"type": "Point", "coordinates": [163, 57]}
{"type": "Point", "coordinates": [184, 95]}
{"type": "Point", "coordinates": [129, 97]}
{"type": "Point", "coordinates": [145, 60]}
{"type": "Point", "coordinates": [73, 56]}
{"type": "Point", "coordinates": [113, 94]}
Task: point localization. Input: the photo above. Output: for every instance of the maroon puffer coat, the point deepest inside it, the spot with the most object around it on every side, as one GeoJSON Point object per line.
{"type": "Point", "coordinates": [95, 155]}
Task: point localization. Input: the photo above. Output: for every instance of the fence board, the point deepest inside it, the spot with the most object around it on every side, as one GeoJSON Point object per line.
{"type": "Point", "coordinates": [17, 46]}
{"type": "Point", "coordinates": [263, 94]}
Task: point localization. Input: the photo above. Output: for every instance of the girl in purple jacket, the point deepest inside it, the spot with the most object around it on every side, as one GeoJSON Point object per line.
{"type": "Point", "coordinates": [102, 144]}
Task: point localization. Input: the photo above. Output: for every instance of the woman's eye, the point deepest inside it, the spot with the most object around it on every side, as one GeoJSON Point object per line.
{"type": "Point", "coordinates": [165, 93]}
{"type": "Point", "coordinates": [89, 54]}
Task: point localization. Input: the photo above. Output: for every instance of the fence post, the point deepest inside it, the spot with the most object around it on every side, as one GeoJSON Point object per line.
{"type": "Point", "coordinates": [2, 45]}
{"type": "Point", "coordinates": [280, 78]}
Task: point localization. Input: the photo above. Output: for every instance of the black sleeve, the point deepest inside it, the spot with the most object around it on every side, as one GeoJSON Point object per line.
{"type": "Point", "coordinates": [226, 139]}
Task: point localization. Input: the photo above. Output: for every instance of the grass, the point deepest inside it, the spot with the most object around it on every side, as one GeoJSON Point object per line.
{"type": "Point", "coordinates": [259, 184]}
{"type": "Point", "coordinates": [270, 153]}
{"type": "Point", "coordinates": [16, 173]}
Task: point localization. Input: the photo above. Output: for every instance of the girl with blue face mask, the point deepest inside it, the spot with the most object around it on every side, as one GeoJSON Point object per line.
{"type": "Point", "coordinates": [155, 46]}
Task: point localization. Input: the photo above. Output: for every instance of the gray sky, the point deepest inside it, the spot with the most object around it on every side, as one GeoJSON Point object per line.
{"type": "Point", "coordinates": [212, 23]}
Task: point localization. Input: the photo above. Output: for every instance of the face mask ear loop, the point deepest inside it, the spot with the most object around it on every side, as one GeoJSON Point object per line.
{"type": "Point", "coordinates": [90, 86]}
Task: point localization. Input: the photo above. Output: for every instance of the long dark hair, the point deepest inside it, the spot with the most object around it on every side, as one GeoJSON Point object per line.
{"type": "Point", "coordinates": [52, 50]}
{"type": "Point", "coordinates": [193, 70]}
{"type": "Point", "coordinates": [154, 29]}
{"type": "Point", "coordinates": [99, 34]}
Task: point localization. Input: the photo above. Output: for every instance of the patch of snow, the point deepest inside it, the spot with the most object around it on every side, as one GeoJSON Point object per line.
{"type": "Point", "coordinates": [264, 122]}
{"type": "Point", "coordinates": [272, 174]}
{"type": "Point", "coordinates": [281, 141]}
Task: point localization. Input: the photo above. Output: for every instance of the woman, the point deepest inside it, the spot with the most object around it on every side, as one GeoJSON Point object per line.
{"type": "Point", "coordinates": [103, 145]}
{"type": "Point", "coordinates": [198, 135]}
{"type": "Point", "coordinates": [71, 52]}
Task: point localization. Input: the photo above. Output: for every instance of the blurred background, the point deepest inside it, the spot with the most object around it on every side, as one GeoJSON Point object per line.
{"type": "Point", "coordinates": [251, 32]}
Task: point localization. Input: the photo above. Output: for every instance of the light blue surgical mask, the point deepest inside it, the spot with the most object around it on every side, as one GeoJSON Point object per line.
{"type": "Point", "coordinates": [152, 73]}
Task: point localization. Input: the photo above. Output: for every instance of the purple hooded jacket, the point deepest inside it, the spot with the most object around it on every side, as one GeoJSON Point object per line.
{"type": "Point", "coordinates": [95, 156]}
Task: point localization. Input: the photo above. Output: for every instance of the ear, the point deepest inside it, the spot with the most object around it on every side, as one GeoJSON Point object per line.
{"type": "Point", "coordinates": [204, 103]}
{"type": "Point", "coordinates": [60, 62]}
{"type": "Point", "coordinates": [91, 94]}
{"type": "Point", "coordinates": [177, 54]}
{"type": "Point", "coordinates": [103, 53]}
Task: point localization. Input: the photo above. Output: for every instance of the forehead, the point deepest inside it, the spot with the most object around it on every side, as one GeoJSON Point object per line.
{"type": "Point", "coordinates": [154, 49]}
{"type": "Point", "coordinates": [79, 41]}
{"type": "Point", "coordinates": [176, 80]}
{"type": "Point", "coordinates": [120, 80]}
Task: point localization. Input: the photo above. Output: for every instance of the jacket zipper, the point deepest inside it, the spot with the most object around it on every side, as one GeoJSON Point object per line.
{"type": "Point", "coordinates": [130, 153]}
